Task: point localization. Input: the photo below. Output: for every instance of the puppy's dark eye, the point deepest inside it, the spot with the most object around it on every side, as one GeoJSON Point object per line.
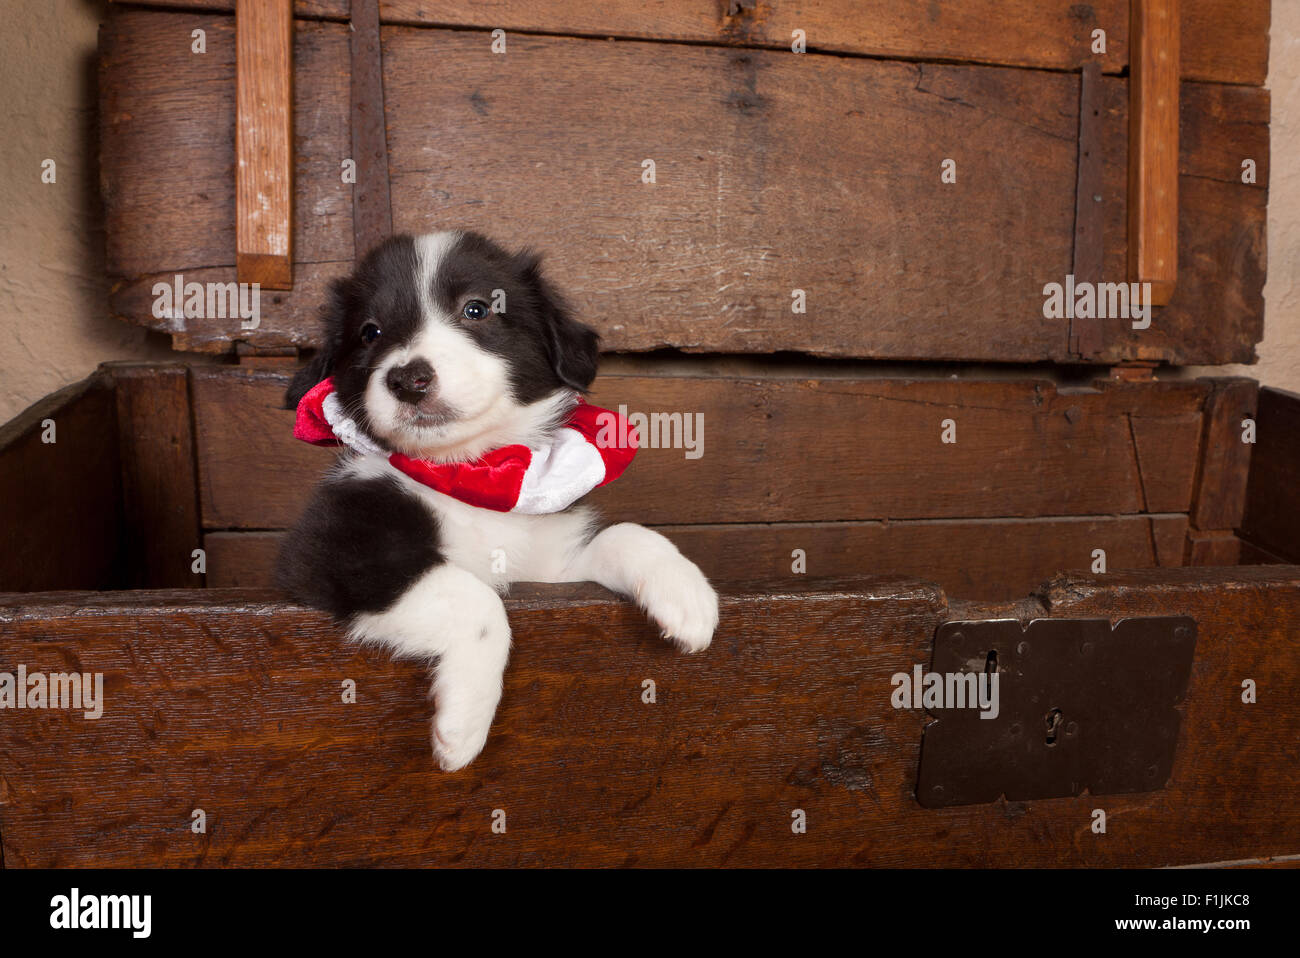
{"type": "Point", "coordinates": [369, 333]}
{"type": "Point", "coordinates": [476, 309]}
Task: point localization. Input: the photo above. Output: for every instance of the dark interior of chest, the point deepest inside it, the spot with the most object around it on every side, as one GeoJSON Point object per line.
{"type": "Point", "coordinates": [822, 278]}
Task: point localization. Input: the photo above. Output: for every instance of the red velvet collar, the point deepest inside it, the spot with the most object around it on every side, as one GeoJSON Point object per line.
{"type": "Point", "coordinates": [592, 448]}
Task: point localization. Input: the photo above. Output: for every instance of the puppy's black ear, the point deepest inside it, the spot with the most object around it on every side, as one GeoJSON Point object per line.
{"type": "Point", "coordinates": [322, 363]}
{"type": "Point", "coordinates": [575, 351]}
{"type": "Point", "coordinates": [573, 347]}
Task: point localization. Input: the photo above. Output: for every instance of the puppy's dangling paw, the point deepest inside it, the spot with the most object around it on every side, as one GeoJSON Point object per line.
{"type": "Point", "coordinates": [454, 748]}
{"type": "Point", "coordinates": [461, 721]}
{"type": "Point", "coordinates": [677, 596]}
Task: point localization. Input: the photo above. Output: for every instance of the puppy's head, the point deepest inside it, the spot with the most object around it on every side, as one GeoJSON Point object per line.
{"type": "Point", "coordinates": [445, 346]}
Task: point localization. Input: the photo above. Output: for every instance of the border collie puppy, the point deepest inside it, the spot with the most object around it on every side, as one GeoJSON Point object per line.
{"type": "Point", "coordinates": [448, 367]}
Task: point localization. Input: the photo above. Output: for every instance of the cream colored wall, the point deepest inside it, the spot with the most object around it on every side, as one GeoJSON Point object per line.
{"type": "Point", "coordinates": [53, 295]}
{"type": "Point", "coordinates": [52, 290]}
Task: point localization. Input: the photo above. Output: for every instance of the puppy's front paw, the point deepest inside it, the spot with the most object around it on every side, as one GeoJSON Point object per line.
{"type": "Point", "coordinates": [677, 596]}
{"type": "Point", "coordinates": [456, 746]}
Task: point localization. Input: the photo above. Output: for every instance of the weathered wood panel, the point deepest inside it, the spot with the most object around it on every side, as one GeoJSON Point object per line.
{"type": "Point", "coordinates": [752, 198]}
{"type": "Point", "coordinates": [707, 258]}
{"type": "Point", "coordinates": [1223, 40]}
{"type": "Point", "coordinates": [1272, 517]}
{"type": "Point", "coordinates": [160, 511]}
{"type": "Point", "coordinates": [1220, 498]}
{"type": "Point", "coordinates": [787, 450]}
{"type": "Point", "coordinates": [264, 31]}
{"type": "Point", "coordinates": [236, 709]}
{"type": "Point", "coordinates": [1221, 228]}
{"type": "Point", "coordinates": [167, 125]}
{"type": "Point", "coordinates": [1153, 146]}
{"type": "Point", "coordinates": [967, 558]}
{"type": "Point", "coordinates": [60, 501]}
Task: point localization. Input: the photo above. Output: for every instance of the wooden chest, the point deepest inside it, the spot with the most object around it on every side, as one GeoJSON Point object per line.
{"type": "Point", "coordinates": [819, 246]}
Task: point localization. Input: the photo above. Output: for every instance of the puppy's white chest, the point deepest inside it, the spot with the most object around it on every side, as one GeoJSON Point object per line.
{"type": "Point", "coordinates": [497, 547]}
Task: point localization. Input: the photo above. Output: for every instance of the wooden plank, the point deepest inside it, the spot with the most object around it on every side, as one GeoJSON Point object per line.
{"type": "Point", "coordinates": [739, 210]}
{"type": "Point", "coordinates": [1272, 521]}
{"type": "Point", "coordinates": [1227, 763]}
{"type": "Point", "coordinates": [242, 560]}
{"type": "Point", "coordinates": [785, 450]}
{"type": "Point", "coordinates": [1220, 498]}
{"type": "Point", "coordinates": [159, 492]}
{"type": "Point", "coordinates": [239, 421]}
{"type": "Point", "coordinates": [1089, 213]}
{"type": "Point", "coordinates": [1153, 147]}
{"type": "Point", "coordinates": [1212, 548]}
{"type": "Point", "coordinates": [371, 201]}
{"type": "Point", "coordinates": [168, 130]}
{"type": "Point", "coordinates": [264, 142]}
{"type": "Point", "coordinates": [60, 501]}
{"type": "Point", "coordinates": [761, 199]}
{"type": "Point", "coordinates": [736, 219]}
{"type": "Point", "coordinates": [1214, 312]}
{"type": "Point", "coordinates": [706, 776]}
{"type": "Point", "coordinates": [1169, 539]}
{"type": "Point", "coordinates": [1224, 41]}
{"type": "Point", "coordinates": [968, 558]}
{"type": "Point", "coordinates": [1165, 481]}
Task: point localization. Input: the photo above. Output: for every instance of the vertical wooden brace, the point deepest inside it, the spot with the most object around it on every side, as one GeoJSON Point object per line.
{"type": "Point", "coordinates": [1086, 338]}
{"type": "Point", "coordinates": [372, 216]}
{"type": "Point", "coordinates": [1153, 146]}
{"type": "Point", "coordinates": [264, 142]}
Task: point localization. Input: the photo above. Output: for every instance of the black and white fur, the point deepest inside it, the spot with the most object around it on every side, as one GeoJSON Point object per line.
{"type": "Point", "coordinates": [406, 566]}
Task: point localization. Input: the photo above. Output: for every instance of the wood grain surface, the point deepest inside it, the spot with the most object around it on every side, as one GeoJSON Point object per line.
{"type": "Point", "coordinates": [60, 502]}
{"type": "Point", "coordinates": [988, 559]}
{"type": "Point", "coordinates": [1153, 147]}
{"type": "Point", "coordinates": [790, 450]}
{"type": "Point", "coordinates": [264, 142]}
{"type": "Point", "coordinates": [236, 709]}
{"type": "Point", "coordinates": [1224, 41]}
{"type": "Point", "coordinates": [160, 508]}
{"type": "Point", "coordinates": [747, 179]}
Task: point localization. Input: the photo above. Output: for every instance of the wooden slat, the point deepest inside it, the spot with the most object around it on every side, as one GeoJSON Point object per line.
{"type": "Point", "coordinates": [1272, 519]}
{"type": "Point", "coordinates": [1220, 498]}
{"type": "Point", "coordinates": [264, 142]}
{"type": "Point", "coordinates": [1169, 540]}
{"type": "Point", "coordinates": [173, 197]}
{"type": "Point", "coordinates": [708, 775]}
{"type": "Point", "coordinates": [239, 421]}
{"type": "Point", "coordinates": [1153, 147]}
{"type": "Point", "coordinates": [372, 213]}
{"type": "Point", "coordinates": [707, 258]}
{"type": "Point", "coordinates": [791, 450]}
{"type": "Point", "coordinates": [968, 558]}
{"type": "Point", "coordinates": [1221, 220]}
{"type": "Point", "coordinates": [1212, 548]}
{"type": "Point", "coordinates": [1089, 211]}
{"type": "Point", "coordinates": [60, 502]}
{"type": "Point", "coordinates": [1224, 41]}
{"type": "Point", "coordinates": [159, 491]}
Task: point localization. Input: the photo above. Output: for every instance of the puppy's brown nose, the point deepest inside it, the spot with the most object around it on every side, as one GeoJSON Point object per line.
{"type": "Point", "coordinates": [411, 383]}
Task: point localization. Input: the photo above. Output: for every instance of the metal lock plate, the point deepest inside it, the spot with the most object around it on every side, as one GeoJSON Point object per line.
{"type": "Point", "coordinates": [1079, 705]}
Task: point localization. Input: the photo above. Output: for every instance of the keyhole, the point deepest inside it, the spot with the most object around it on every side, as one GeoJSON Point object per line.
{"type": "Point", "coordinates": [991, 663]}
{"type": "Point", "coordinates": [1053, 722]}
